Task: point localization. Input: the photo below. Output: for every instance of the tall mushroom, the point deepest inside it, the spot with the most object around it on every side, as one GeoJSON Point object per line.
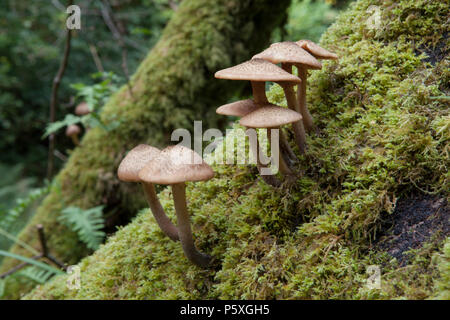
{"type": "Point", "coordinates": [288, 54]}
{"type": "Point", "coordinates": [128, 171]}
{"type": "Point", "coordinates": [272, 117]}
{"type": "Point", "coordinates": [174, 166]}
{"type": "Point", "coordinates": [73, 131]}
{"type": "Point", "coordinates": [257, 71]}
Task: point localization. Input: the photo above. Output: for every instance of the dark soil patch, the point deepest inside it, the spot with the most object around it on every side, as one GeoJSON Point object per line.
{"type": "Point", "coordinates": [414, 221]}
{"type": "Point", "coordinates": [436, 53]}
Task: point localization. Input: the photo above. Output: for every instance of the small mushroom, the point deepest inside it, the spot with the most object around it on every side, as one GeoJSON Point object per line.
{"type": "Point", "coordinates": [73, 131]}
{"type": "Point", "coordinates": [244, 107]}
{"type": "Point", "coordinates": [174, 166]}
{"type": "Point", "coordinates": [288, 54]}
{"type": "Point", "coordinates": [238, 108]}
{"type": "Point", "coordinates": [272, 117]}
{"type": "Point", "coordinates": [82, 109]}
{"type": "Point", "coordinates": [128, 171]}
{"type": "Point", "coordinates": [317, 51]}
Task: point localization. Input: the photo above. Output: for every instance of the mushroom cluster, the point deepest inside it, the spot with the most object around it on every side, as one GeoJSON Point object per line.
{"type": "Point", "coordinates": [259, 113]}
{"type": "Point", "coordinates": [176, 165]}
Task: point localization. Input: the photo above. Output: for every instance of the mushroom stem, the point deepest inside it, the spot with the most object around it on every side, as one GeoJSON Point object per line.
{"type": "Point", "coordinates": [75, 139]}
{"type": "Point", "coordinates": [184, 227]}
{"type": "Point", "coordinates": [158, 212]}
{"type": "Point", "coordinates": [260, 97]}
{"type": "Point", "coordinates": [301, 97]}
{"type": "Point", "coordinates": [284, 168]}
{"type": "Point", "coordinates": [259, 92]}
{"type": "Point", "coordinates": [269, 179]}
{"type": "Point", "coordinates": [298, 128]}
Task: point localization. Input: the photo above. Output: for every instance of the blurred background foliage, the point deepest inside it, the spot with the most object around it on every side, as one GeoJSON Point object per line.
{"type": "Point", "coordinates": [31, 45]}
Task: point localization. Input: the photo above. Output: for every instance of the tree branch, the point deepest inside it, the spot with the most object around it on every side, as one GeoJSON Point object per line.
{"type": "Point", "coordinates": [54, 98]}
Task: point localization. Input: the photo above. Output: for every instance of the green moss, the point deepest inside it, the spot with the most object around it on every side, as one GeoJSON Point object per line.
{"type": "Point", "coordinates": [442, 283]}
{"type": "Point", "coordinates": [172, 87]}
{"type": "Point", "coordinates": [382, 136]}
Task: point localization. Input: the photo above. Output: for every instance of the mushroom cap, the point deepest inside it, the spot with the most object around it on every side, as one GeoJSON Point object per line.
{"type": "Point", "coordinates": [238, 108]}
{"type": "Point", "coordinates": [135, 160]}
{"type": "Point", "coordinates": [316, 50]}
{"type": "Point", "coordinates": [73, 129]}
{"type": "Point", "coordinates": [257, 70]}
{"type": "Point", "coordinates": [270, 116]}
{"type": "Point", "coordinates": [289, 52]}
{"type": "Point", "coordinates": [176, 164]}
{"type": "Point", "coordinates": [82, 109]}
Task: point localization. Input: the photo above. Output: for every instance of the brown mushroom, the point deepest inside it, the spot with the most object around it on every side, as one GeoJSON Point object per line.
{"type": "Point", "coordinates": [238, 108]}
{"type": "Point", "coordinates": [317, 51]}
{"type": "Point", "coordinates": [128, 171]}
{"type": "Point", "coordinates": [73, 131]}
{"type": "Point", "coordinates": [272, 117]}
{"type": "Point", "coordinates": [174, 166]}
{"type": "Point", "coordinates": [288, 54]}
{"type": "Point", "coordinates": [82, 109]}
{"type": "Point", "coordinates": [258, 71]}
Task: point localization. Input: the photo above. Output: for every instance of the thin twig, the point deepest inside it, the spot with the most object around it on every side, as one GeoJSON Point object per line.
{"type": "Point", "coordinates": [44, 247]}
{"type": "Point", "coordinates": [42, 241]}
{"type": "Point", "coordinates": [54, 98]}
{"type": "Point", "coordinates": [18, 267]}
{"type": "Point", "coordinates": [60, 156]}
{"type": "Point", "coordinates": [96, 57]}
{"type": "Point", "coordinates": [108, 17]}
{"type": "Point", "coordinates": [44, 254]}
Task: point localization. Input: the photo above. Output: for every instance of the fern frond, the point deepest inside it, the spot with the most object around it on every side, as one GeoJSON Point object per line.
{"type": "Point", "coordinates": [15, 239]}
{"type": "Point", "coordinates": [37, 275]}
{"type": "Point", "coordinates": [7, 218]}
{"type": "Point", "coordinates": [87, 223]}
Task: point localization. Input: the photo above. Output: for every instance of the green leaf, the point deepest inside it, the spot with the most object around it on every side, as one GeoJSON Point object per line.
{"type": "Point", "coordinates": [57, 125]}
{"type": "Point", "coordinates": [87, 223]}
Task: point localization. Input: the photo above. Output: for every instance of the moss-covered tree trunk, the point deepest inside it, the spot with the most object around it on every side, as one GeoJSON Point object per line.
{"type": "Point", "coordinates": [173, 87]}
